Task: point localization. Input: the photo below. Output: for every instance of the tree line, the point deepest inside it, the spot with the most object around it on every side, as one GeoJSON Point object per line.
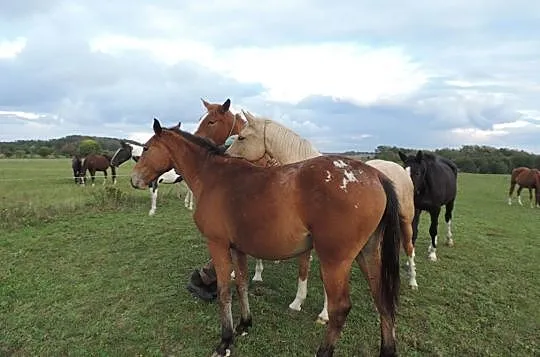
{"type": "Point", "coordinates": [469, 158]}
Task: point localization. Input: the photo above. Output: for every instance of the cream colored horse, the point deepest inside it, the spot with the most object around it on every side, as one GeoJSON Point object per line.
{"type": "Point", "coordinates": [262, 136]}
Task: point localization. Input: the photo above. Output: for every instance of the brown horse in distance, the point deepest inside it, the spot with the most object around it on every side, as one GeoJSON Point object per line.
{"type": "Point", "coordinates": [96, 162]}
{"type": "Point", "coordinates": [525, 177]}
{"type": "Point", "coordinates": [354, 218]}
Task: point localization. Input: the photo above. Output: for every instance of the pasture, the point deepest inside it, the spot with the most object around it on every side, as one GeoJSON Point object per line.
{"type": "Point", "coordinates": [84, 271]}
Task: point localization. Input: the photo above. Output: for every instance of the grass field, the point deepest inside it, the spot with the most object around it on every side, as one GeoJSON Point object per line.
{"type": "Point", "coordinates": [84, 271]}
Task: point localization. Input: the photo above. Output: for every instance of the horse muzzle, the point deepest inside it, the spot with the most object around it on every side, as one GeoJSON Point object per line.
{"type": "Point", "coordinates": [138, 182]}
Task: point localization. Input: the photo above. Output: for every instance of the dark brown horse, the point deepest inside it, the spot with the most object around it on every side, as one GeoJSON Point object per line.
{"type": "Point", "coordinates": [282, 212]}
{"type": "Point", "coordinates": [76, 166]}
{"type": "Point", "coordinates": [96, 162]}
{"type": "Point", "coordinates": [525, 177]}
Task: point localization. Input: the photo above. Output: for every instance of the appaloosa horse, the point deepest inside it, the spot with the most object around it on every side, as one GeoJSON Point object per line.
{"type": "Point", "coordinates": [525, 177]}
{"type": "Point", "coordinates": [96, 162]}
{"type": "Point", "coordinates": [435, 184]}
{"type": "Point", "coordinates": [354, 217]}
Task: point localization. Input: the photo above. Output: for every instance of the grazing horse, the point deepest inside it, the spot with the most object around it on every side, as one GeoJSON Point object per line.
{"type": "Point", "coordinates": [525, 177]}
{"type": "Point", "coordinates": [352, 217]}
{"type": "Point", "coordinates": [262, 136]}
{"type": "Point", "coordinates": [96, 162]}
{"type": "Point", "coordinates": [435, 185]}
{"type": "Point", "coordinates": [133, 151]}
{"type": "Point", "coordinates": [76, 165]}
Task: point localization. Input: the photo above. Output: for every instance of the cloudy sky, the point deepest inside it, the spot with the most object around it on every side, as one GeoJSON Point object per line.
{"type": "Point", "coordinates": [348, 75]}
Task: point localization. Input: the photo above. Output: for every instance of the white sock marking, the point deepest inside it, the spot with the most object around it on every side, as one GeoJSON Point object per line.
{"type": "Point", "coordinates": [301, 294]}
{"type": "Point", "coordinates": [153, 203]}
{"type": "Point", "coordinates": [432, 252]}
{"type": "Point", "coordinates": [323, 316]}
{"type": "Point", "coordinates": [412, 271]}
{"type": "Point", "coordinates": [258, 270]}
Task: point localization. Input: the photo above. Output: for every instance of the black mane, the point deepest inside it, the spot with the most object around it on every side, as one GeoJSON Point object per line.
{"type": "Point", "coordinates": [431, 158]}
{"type": "Point", "coordinates": [203, 142]}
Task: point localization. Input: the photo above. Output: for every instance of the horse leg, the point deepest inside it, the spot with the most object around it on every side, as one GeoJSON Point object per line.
{"type": "Point", "coordinates": [370, 264]}
{"type": "Point", "coordinates": [221, 256]}
{"type": "Point", "coordinates": [258, 270]}
{"type": "Point", "coordinates": [303, 271]}
{"type": "Point", "coordinates": [93, 175]}
{"type": "Point", "coordinates": [323, 315]}
{"type": "Point", "coordinates": [448, 219]}
{"type": "Point", "coordinates": [415, 222]}
{"type": "Point", "coordinates": [188, 201]}
{"type": "Point", "coordinates": [104, 177]}
{"type": "Point", "coordinates": [113, 174]}
{"type": "Point", "coordinates": [336, 284]}
{"type": "Point", "coordinates": [511, 191]}
{"type": "Point", "coordinates": [407, 236]}
{"type": "Point", "coordinates": [434, 213]}
{"type": "Point", "coordinates": [518, 193]}
{"type": "Point", "coordinates": [531, 197]}
{"type": "Point", "coordinates": [240, 265]}
{"type": "Point", "coordinates": [153, 198]}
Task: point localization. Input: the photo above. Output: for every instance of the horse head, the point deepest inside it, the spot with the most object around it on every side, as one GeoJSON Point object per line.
{"type": "Point", "coordinates": [416, 166]}
{"type": "Point", "coordinates": [122, 155]}
{"type": "Point", "coordinates": [219, 122]}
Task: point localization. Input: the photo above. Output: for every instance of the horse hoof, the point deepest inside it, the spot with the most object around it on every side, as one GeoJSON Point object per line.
{"type": "Point", "coordinates": [450, 242]}
{"type": "Point", "coordinates": [151, 213]}
{"type": "Point", "coordinates": [321, 321]}
{"type": "Point", "coordinates": [432, 257]}
{"type": "Point", "coordinates": [414, 286]}
{"type": "Point", "coordinates": [294, 306]}
{"type": "Point", "coordinates": [226, 354]}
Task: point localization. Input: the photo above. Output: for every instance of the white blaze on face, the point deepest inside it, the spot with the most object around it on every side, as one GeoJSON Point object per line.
{"type": "Point", "coordinates": [328, 176]}
{"type": "Point", "coordinates": [348, 176]}
{"type": "Point", "coordinates": [340, 164]}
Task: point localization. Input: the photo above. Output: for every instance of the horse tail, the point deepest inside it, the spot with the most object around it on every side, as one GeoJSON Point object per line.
{"type": "Point", "coordinates": [390, 224]}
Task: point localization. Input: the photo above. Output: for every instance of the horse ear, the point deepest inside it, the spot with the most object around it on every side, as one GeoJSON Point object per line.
{"type": "Point", "coordinates": [157, 127]}
{"type": "Point", "coordinates": [205, 103]}
{"type": "Point", "coordinates": [225, 106]}
{"type": "Point", "coordinates": [249, 117]}
{"type": "Point", "coordinates": [179, 124]}
{"type": "Point", "coordinates": [419, 156]}
{"type": "Point", "coordinates": [402, 156]}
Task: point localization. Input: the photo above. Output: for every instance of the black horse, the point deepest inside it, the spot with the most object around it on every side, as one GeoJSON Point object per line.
{"type": "Point", "coordinates": [76, 165]}
{"type": "Point", "coordinates": [435, 185]}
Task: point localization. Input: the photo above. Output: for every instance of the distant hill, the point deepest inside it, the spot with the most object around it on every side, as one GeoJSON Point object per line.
{"type": "Point", "coordinates": [469, 158]}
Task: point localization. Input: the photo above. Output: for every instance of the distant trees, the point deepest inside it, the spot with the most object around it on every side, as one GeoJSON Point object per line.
{"type": "Point", "coordinates": [473, 158]}
{"type": "Point", "coordinates": [89, 146]}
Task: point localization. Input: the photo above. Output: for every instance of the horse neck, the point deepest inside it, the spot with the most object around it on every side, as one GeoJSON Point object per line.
{"type": "Point", "coordinates": [190, 161]}
{"type": "Point", "coordinates": [285, 146]}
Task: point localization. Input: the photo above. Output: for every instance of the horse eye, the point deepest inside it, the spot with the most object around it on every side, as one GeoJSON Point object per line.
{"type": "Point", "coordinates": [211, 122]}
{"type": "Point", "coordinates": [240, 138]}
{"type": "Point", "coordinates": [144, 148]}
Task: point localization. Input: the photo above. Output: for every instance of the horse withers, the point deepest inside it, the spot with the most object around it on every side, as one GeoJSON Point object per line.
{"type": "Point", "coordinates": [435, 185]}
{"type": "Point", "coordinates": [94, 163]}
{"type": "Point", "coordinates": [528, 178]}
{"type": "Point", "coordinates": [354, 216]}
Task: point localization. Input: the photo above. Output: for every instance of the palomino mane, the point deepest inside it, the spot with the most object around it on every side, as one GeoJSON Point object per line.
{"type": "Point", "coordinates": [291, 145]}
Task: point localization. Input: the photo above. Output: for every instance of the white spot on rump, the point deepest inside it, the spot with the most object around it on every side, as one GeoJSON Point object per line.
{"type": "Point", "coordinates": [328, 176]}
{"type": "Point", "coordinates": [348, 176]}
{"type": "Point", "coordinates": [340, 164]}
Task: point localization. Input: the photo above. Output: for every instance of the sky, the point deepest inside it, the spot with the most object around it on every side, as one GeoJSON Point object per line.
{"type": "Point", "coordinates": [347, 75]}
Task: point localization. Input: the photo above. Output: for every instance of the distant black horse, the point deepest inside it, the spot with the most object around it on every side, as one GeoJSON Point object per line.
{"type": "Point", "coordinates": [76, 165]}
{"type": "Point", "coordinates": [435, 185]}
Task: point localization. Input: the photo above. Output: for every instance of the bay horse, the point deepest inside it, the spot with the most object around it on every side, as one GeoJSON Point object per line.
{"type": "Point", "coordinates": [525, 177]}
{"type": "Point", "coordinates": [435, 185]}
{"type": "Point", "coordinates": [263, 136]}
{"type": "Point", "coordinates": [133, 151]}
{"type": "Point", "coordinates": [76, 166]}
{"type": "Point", "coordinates": [96, 162]}
{"type": "Point", "coordinates": [354, 217]}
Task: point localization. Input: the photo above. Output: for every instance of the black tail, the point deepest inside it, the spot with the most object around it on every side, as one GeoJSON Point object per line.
{"type": "Point", "coordinates": [390, 224]}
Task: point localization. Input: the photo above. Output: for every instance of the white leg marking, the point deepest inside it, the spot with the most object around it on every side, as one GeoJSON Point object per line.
{"type": "Point", "coordinates": [323, 316]}
{"type": "Point", "coordinates": [449, 240]}
{"type": "Point", "coordinates": [412, 272]}
{"type": "Point", "coordinates": [153, 204]}
{"type": "Point", "coordinates": [301, 294]}
{"type": "Point", "coordinates": [258, 270]}
{"type": "Point", "coordinates": [233, 275]}
{"type": "Point", "coordinates": [432, 252]}
{"type": "Point", "coordinates": [509, 201]}
{"type": "Point", "coordinates": [519, 200]}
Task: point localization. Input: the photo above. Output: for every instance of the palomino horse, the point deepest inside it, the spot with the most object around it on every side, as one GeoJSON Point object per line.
{"type": "Point", "coordinates": [133, 151]}
{"type": "Point", "coordinates": [435, 184]}
{"type": "Point", "coordinates": [264, 136]}
{"type": "Point", "coordinates": [76, 166]}
{"type": "Point", "coordinates": [96, 162]}
{"type": "Point", "coordinates": [525, 177]}
{"type": "Point", "coordinates": [354, 216]}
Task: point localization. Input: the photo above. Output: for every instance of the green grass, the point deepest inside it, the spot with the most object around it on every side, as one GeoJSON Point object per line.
{"type": "Point", "coordinates": [84, 271]}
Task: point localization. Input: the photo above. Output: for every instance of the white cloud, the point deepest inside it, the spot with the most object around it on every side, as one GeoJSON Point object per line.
{"type": "Point", "coordinates": [11, 49]}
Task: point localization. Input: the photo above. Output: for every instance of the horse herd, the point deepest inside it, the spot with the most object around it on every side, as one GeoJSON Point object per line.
{"type": "Point", "coordinates": [292, 200]}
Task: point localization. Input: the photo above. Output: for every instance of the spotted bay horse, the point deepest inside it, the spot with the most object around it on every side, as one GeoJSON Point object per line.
{"type": "Point", "coordinates": [94, 163]}
{"type": "Point", "coordinates": [525, 177]}
{"type": "Point", "coordinates": [357, 219]}
{"type": "Point", "coordinates": [263, 136]}
{"type": "Point", "coordinates": [435, 185]}
{"type": "Point", "coordinates": [134, 151]}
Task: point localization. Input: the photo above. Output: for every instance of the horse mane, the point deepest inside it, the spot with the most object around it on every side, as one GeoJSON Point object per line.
{"type": "Point", "coordinates": [205, 143]}
{"type": "Point", "coordinates": [291, 145]}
